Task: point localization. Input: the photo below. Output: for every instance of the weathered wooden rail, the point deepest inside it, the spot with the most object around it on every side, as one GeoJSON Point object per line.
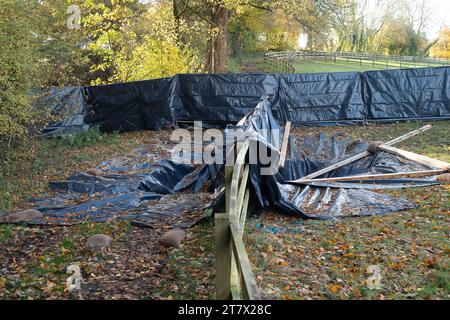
{"type": "Point", "coordinates": [234, 274]}
{"type": "Point", "coordinates": [279, 62]}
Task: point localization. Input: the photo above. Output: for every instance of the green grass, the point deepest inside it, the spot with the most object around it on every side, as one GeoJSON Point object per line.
{"type": "Point", "coordinates": [6, 231]}
{"type": "Point", "coordinates": [254, 62]}
{"type": "Point", "coordinates": [248, 63]}
{"type": "Point", "coordinates": [328, 66]}
{"type": "Point", "coordinates": [190, 269]}
{"type": "Point", "coordinates": [88, 138]}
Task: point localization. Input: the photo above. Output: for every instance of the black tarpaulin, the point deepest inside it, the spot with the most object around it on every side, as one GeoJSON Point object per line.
{"type": "Point", "coordinates": [408, 94]}
{"type": "Point", "coordinates": [225, 98]}
{"type": "Point", "coordinates": [127, 189]}
{"type": "Point", "coordinates": [327, 200]}
{"type": "Point", "coordinates": [304, 99]}
{"type": "Point", "coordinates": [320, 98]}
{"type": "Point", "coordinates": [130, 106]}
{"type": "Point", "coordinates": [67, 105]}
{"type": "Point", "coordinates": [164, 193]}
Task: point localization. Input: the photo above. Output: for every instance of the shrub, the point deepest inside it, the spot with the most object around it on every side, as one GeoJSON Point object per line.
{"type": "Point", "coordinates": [17, 69]}
{"type": "Point", "coordinates": [87, 138]}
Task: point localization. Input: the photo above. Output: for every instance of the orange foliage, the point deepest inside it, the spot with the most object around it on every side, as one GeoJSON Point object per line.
{"type": "Point", "coordinates": [442, 48]}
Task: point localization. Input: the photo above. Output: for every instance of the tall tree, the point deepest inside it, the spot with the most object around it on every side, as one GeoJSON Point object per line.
{"type": "Point", "coordinates": [216, 14]}
{"type": "Point", "coordinates": [311, 15]}
{"type": "Point", "coordinates": [17, 70]}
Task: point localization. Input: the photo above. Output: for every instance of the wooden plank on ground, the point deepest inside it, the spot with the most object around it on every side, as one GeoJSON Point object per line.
{"type": "Point", "coordinates": [408, 135]}
{"type": "Point", "coordinates": [381, 176]}
{"type": "Point", "coordinates": [418, 158]}
{"type": "Point", "coordinates": [284, 145]}
{"type": "Point", "coordinates": [251, 291]}
{"type": "Point", "coordinates": [362, 155]}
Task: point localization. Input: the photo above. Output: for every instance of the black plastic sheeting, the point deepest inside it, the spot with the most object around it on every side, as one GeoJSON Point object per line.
{"type": "Point", "coordinates": [321, 98]}
{"type": "Point", "coordinates": [326, 200]}
{"type": "Point", "coordinates": [66, 104]}
{"type": "Point", "coordinates": [304, 99]}
{"type": "Point", "coordinates": [162, 193]}
{"type": "Point", "coordinates": [130, 106]}
{"type": "Point", "coordinates": [154, 195]}
{"type": "Point", "coordinates": [408, 94]}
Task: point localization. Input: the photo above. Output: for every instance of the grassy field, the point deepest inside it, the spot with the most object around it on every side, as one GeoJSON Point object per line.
{"type": "Point", "coordinates": [329, 66]}
{"type": "Point", "coordinates": [255, 63]}
{"type": "Point", "coordinates": [292, 258]}
{"type": "Point", "coordinates": [250, 63]}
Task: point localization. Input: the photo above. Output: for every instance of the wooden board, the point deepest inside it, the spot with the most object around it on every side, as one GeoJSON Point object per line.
{"type": "Point", "coordinates": [249, 289]}
{"type": "Point", "coordinates": [418, 158]}
{"type": "Point", "coordinates": [362, 155]}
{"type": "Point", "coordinates": [241, 190]}
{"type": "Point", "coordinates": [223, 256]}
{"type": "Point", "coordinates": [244, 211]}
{"type": "Point", "coordinates": [381, 176]}
{"type": "Point", "coordinates": [284, 145]}
{"type": "Point", "coordinates": [235, 181]}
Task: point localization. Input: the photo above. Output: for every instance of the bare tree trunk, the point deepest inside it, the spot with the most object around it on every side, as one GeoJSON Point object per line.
{"type": "Point", "coordinates": [217, 17]}
{"type": "Point", "coordinates": [221, 42]}
{"type": "Point", "coordinates": [217, 57]}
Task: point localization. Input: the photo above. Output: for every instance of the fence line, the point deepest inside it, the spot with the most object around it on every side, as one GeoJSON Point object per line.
{"type": "Point", "coordinates": [362, 58]}
{"type": "Point", "coordinates": [278, 63]}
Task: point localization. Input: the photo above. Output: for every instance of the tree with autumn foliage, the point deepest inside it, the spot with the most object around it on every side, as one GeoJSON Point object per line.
{"type": "Point", "coordinates": [442, 48]}
{"type": "Point", "coordinates": [219, 18]}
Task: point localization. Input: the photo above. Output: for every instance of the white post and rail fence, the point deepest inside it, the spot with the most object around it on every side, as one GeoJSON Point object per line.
{"type": "Point", "coordinates": [285, 61]}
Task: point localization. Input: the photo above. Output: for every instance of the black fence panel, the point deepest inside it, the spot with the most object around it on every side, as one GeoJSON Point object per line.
{"type": "Point", "coordinates": [130, 106]}
{"type": "Point", "coordinates": [320, 97]}
{"type": "Point", "coordinates": [304, 99]}
{"type": "Point", "coordinates": [408, 94]}
{"type": "Point", "coordinates": [222, 98]}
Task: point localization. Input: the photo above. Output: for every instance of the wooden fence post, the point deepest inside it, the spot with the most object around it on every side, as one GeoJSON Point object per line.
{"type": "Point", "coordinates": [223, 256]}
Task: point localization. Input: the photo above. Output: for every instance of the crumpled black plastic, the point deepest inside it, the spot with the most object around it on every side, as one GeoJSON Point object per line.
{"type": "Point", "coordinates": [327, 200]}
{"type": "Point", "coordinates": [162, 193]}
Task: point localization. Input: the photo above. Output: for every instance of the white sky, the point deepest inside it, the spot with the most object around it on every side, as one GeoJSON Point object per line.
{"type": "Point", "coordinates": [441, 13]}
